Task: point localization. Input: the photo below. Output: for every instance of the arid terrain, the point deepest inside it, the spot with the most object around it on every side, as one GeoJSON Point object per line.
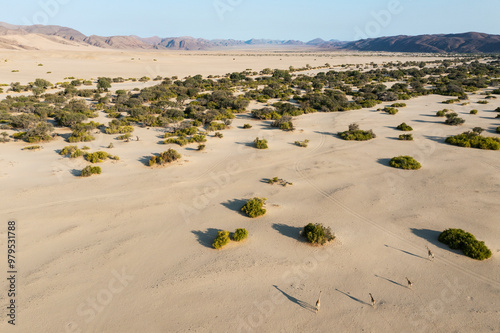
{"type": "Point", "coordinates": [130, 250]}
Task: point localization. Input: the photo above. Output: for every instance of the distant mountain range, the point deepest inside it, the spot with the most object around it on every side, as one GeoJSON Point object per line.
{"type": "Point", "coordinates": [471, 42]}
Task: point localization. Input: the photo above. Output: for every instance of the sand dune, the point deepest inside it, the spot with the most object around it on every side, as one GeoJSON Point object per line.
{"type": "Point", "coordinates": [129, 250]}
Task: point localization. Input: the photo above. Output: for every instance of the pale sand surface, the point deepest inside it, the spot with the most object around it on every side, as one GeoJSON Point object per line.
{"type": "Point", "coordinates": [74, 233]}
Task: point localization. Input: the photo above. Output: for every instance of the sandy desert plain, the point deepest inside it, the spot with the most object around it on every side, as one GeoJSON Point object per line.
{"type": "Point", "coordinates": [130, 250]}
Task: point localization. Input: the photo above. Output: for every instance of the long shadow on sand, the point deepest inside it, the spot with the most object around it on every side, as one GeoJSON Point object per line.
{"type": "Point", "coordinates": [406, 252]}
{"type": "Point", "coordinates": [207, 237]}
{"type": "Point", "coordinates": [384, 161]}
{"type": "Point", "coordinates": [431, 236]}
{"type": "Point", "coordinates": [391, 281]}
{"type": "Point", "coordinates": [235, 205]}
{"type": "Point", "coordinates": [352, 297]}
{"type": "Point", "coordinates": [288, 231]}
{"type": "Point", "coordinates": [300, 303]}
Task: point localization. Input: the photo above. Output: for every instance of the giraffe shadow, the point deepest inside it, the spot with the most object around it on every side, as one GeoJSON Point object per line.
{"type": "Point", "coordinates": [297, 301]}
{"type": "Point", "coordinates": [353, 298]}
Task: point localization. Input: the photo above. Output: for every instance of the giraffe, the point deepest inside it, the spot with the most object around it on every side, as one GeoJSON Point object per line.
{"type": "Point", "coordinates": [318, 302]}
{"type": "Point", "coordinates": [372, 299]}
{"type": "Point", "coordinates": [410, 284]}
{"type": "Point", "coordinates": [429, 253]}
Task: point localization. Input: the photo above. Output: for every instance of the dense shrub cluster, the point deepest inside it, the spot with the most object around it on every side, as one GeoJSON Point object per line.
{"type": "Point", "coordinates": [90, 170]}
{"type": "Point", "coordinates": [458, 239]}
{"type": "Point", "coordinates": [284, 123]}
{"type": "Point", "coordinates": [472, 139]}
{"type": "Point", "coordinates": [405, 162]}
{"type": "Point", "coordinates": [240, 234]}
{"type": "Point", "coordinates": [221, 240]}
{"type": "Point", "coordinates": [317, 234]}
{"type": "Point", "coordinates": [254, 207]}
{"type": "Point", "coordinates": [390, 110]}
{"type": "Point", "coordinates": [406, 137]}
{"type": "Point", "coordinates": [404, 127]}
{"type": "Point", "coordinates": [166, 157]}
{"type": "Point", "coordinates": [453, 119]}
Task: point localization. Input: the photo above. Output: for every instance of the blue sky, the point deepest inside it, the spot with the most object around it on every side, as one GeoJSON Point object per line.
{"type": "Point", "coordinates": [245, 19]}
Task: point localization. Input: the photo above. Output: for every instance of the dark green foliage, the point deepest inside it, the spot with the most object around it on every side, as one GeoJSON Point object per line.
{"type": "Point", "coordinates": [221, 240]}
{"type": "Point", "coordinates": [104, 83]}
{"type": "Point", "coordinates": [247, 126]}
{"type": "Point", "coordinates": [284, 123]}
{"type": "Point", "coordinates": [41, 132]}
{"type": "Point", "coordinates": [453, 119]}
{"type": "Point", "coordinates": [405, 162]}
{"type": "Point", "coordinates": [406, 137]}
{"type": "Point", "coordinates": [441, 113]}
{"type": "Point", "coordinates": [482, 102]}
{"type": "Point", "coordinates": [254, 207]}
{"type": "Point", "coordinates": [451, 101]}
{"type": "Point", "coordinates": [32, 148]}
{"type": "Point", "coordinates": [201, 147]}
{"type": "Point", "coordinates": [90, 170]}
{"type": "Point", "coordinates": [218, 135]}
{"type": "Point", "coordinates": [404, 127]}
{"type": "Point", "coordinates": [498, 129]}
{"type": "Point", "coordinates": [168, 156]}
{"type": "Point", "coordinates": [260, 143]}
{"type": "Point", "coordinates": [458, 239]}
{"type": "Point", "coordinates": [473, 111]}
{"type": "Point", "coordinates": [390, 110]}
{"type": "Point", "coordinates": [240, 234]}
{"type": "Point", "coordinates": [354, 133]}
{"type": "Point", "coordinates": [398, 105]}
{"type": "Point", "coordinates": [473, 139]}
{"type": "Point", "coordinates": [318, 234]}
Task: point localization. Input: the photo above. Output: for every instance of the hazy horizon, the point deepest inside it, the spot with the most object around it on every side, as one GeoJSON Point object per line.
{"type": "Point", "coordinates": [244, 20]}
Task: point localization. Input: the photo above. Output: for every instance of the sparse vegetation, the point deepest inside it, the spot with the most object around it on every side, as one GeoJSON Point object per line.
{"type": "Point", "coordinates": [406, 137]}
{"type": "Point", "coordinates": [390, 110]}
{"type": "Point", "coordinates": [405, 162]}
{"type": "Point", "coordinates": [458, 239]}
{"type": "Point", "coordinates": [317, 234]}
{"type": "Point", "coordinates": [254, 207]}
{"type": "Point", "coordinates": [278, 181]}
{"type": "Point", "coordinates": [32, 148]}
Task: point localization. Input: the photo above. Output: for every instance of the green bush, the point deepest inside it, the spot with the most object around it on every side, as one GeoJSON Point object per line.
{"type": "Point", "coordinates": [32, 148]}
{"type": "Point", "coordinates": [406, 137]}
{"type": "Point", "coordinates": [473, 139]}
{"type": "Point", "coordinates": [404, 127]}
{"type": "Point", "coordinates": [240, 234]}
{"type": "Point", "coordinates": [451, 101]}
{"type": "Point", "coordinates": [97, 157]}
{"type": "Point", "coordinates": [405, 162]}
{"type": "Point", "coordinates": [221, 240]}
{"type": "Point", "coordinates": [201, 147]}
{"type": "Point", "coordinates": [90, 170]}
{"type": "Point", "coordinates": [168, 156]}
{"type": "Point", "coordinates": [498, 129]}
{"type": "Point", "coordinates": [398, 105]}
{"type": "Point", "coordinates": [254, 207]}
{"type": "Point", "coordinates": [71, 151]}
{"type": "Point", "coordinates": [458, 239]}
{"type": "Point", "coordinates": [482, 102]}
{"type": "Point", "coordinates": [473, 111]}
{"type": "Point", "coordinates": [317, 234]}
{"type": "Point", "coordinates": [247, 126]}
{"type": "Point", "coordinates": [260, 144]}
{"type": "Point", "coordinates": [440, 113]}
{"type": "Point", "coordinates": [218, 135]}
{"type": "Point", "coordinates": [302, 143]}
{"type": "Point", "coordinates": [453, 119]}
{"type": "Point", "coordinates": [390, 110]}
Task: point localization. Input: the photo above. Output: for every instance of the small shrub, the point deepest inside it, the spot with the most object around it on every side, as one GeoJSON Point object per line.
{"type": "Point", "coordinates": [453, 119]}
{"type": "Point", "coordinates": [404, 127]}
{"type": "Point", "coordinates": [458, 239]}
{"type": "Point", "coordinates": [317, 234]}
{"type": "Point", "coordinates": [254, 207]}
{"type": "Point", "coordinates": [201, 147]}
{"type": "Point", "coordinates": [302, 143]}
{"type": "Point", "coordinates": [354, 133]}
{"type": "Point", "coordinates": [247, 126]}
{"type": "Point", "coordinates": [32, 148]}
{"type": "Point", "coordinates": [482, 102]}
{"type": "Point", "coordinates": [279, 181]}
{"type": "Point", "coordinates": [168, 156]}
{"type": "Point", "coordinates": [221, 240]}
{"type": "Point", "coordinates": [473, 111]}
{"type": "Point", "coordinates": [406, 137]}
{"type": "Point", "coordinates": [240, 234]}
{"type": "Point", "coordinates": [218, 135]}
{"type": "Point", "coordinates": [97, 157]}
{"type": "Point", "coordinates": [405, 162]}
{"type": "Point", "coordinates": [451, 101]}
{"type": "Point", "coordinates": [441, 113]}
{"type": "Point", "coordinates": [398, 105]}
{"type": "Point", "coordinates": [390, 110]}
{"type": "Point", "coordinates": [126, 136]}
{"type": "Point", "coordinates": [90, 170]}
{"type": "Point", "coordinates": [71, 151]}
{"type": "Point", "coordinates": [260, 144]}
